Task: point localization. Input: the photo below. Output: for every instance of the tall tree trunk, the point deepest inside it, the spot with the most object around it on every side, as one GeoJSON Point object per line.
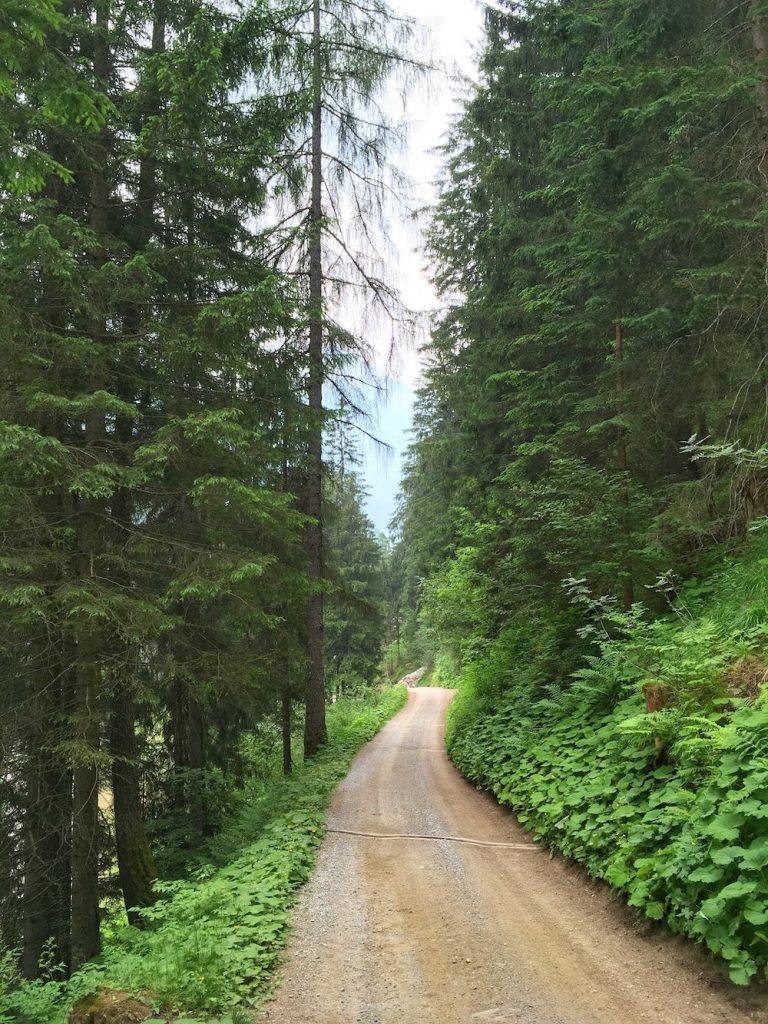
{"type": "Point", "coordinates": [285, 693]}
{"type": "Point", "coordinates": [188, 749]}
{"type": "Point", "coordinates": [62, 867]}
{"type": "Point", "coordinates": [86, 941]}
{"type": "Point", "coordinates": [622, 464]}
{"type": "Point", "coordinates": [48, 811]}
{"type": "Point", "coordinates": [152, 108]}
{"type": "Point", "coordinates": [46, 899]}
{"type": "Point", "coordinates": [315, 728]}
{"type": "Point", "coordinates": [48, 805]}
{"type": "Point", "coordinates": [286, 729]}
{"type": "Point", "coordinates": [46, 817]}
{"type": "Point", "coordinates": [752, 486]}
{"type": "Point", "coordinates": [134, 856]}
{"type": "Point", "coordinates": [760, 41]}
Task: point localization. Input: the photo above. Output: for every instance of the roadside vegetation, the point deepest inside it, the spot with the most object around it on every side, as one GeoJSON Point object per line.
{"type": "Point", "coordinates": [212, 940]}
{"type": "Point", "coordinates": [670, 806]}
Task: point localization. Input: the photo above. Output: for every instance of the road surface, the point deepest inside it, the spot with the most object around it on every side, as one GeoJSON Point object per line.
{"type": "Point", "coordinates": [433, 931]}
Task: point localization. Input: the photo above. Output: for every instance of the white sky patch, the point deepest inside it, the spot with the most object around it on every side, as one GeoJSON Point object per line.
{"type": "Point", "coordinates": [455, 31]}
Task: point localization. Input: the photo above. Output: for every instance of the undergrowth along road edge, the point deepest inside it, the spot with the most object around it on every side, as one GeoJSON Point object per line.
{"type": "Point", "coordinates": [215, 940]}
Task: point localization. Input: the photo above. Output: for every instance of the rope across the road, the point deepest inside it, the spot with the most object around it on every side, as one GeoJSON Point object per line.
{"type": "Point", "coordinates": [447, 839]}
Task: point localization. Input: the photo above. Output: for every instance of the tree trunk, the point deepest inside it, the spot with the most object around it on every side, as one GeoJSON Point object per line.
{"type": "Point", "coordinates": [48, 803]}
{"type": "Point", "coordinates": [134, 856]}
{"type": "Point", "coordinates": [760, 41]}
{"type": "Point", "coordinates": [46, 818]}
{"type": "Point", "coordinates": [62, 868]}
{"type": "Point", "coordinates": [315, 728]}
{"type": "Point", "coordinates": [152, 107]}
{"type": "Point", "coordinates": [622, 464]}
{"type": "Point", "coordinates": [48, 811]}
{"type": "Point", "coordinates": [86, 942]}
{"type": "Point", "coordinates": [286, 729]}
{"type": "Point", "coordinates": [188, 750]}
{"type": "Point", "coordinates": [87, 705]}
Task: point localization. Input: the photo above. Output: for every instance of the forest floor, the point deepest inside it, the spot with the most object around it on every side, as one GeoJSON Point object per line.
{"type": "Point", "coordinates": [440, 932]}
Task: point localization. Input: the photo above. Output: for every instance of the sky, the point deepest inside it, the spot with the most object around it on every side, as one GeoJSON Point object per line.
{"type": "Point", "coordinates": [454, 31]}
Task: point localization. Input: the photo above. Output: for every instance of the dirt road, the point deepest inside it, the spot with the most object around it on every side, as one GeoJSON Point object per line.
{"type": "Point", "coordinates": [414, 931]}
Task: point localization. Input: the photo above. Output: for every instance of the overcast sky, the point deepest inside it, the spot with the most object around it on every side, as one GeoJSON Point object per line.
{"type": "Point", "coordinates": [454, 31]}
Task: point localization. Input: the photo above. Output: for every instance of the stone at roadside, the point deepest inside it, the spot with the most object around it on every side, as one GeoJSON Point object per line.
{"type": "Point", "coordinates": [413, 678]}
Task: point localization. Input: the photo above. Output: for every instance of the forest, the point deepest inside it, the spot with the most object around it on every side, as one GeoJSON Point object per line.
{"type": "Point", "coordinates": [201, 625]}
{"type": "Point", "coordinates": [581, 532]}
{"type": "Point", "coordinates": [187, 568]}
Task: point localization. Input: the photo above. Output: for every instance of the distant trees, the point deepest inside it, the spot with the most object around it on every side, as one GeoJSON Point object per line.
{"type": "Point", "coordinates": [355, 628]}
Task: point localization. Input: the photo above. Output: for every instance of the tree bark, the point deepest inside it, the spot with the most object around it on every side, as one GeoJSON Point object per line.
{"type": "Point", "coordinates": [188, 750]}
{"type": "Point", "coordinates": [315, 728]}
{"type": "Point", "coordinates": [48, 804]}
{"type": "Point", "coordinates": [760, 41]}
{"type": "Point", "coordinates": [86, 941]}
{"type": "Point", "coordinates": [286, 730]}
{"type": "Point", "coordinates": [134, 855]}
{"type": "Point", "coordinates": [46, 817]}
{"type": "Point", "coordinates": [622, 464]}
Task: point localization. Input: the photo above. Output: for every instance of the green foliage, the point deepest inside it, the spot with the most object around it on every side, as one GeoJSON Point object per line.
{"type": "Point", "coordinates": [600, 251]}
{"type": "Point", "coordinates": [354, 609]}
{"type": "Point", "coordinates": [40, 91]}
{"type": "Point", "coordinates": [592, 416]}
{"type": "Point", "coordinates": [215, 939]}
{"type": "Point", "coordinates": [444, 672]}
{"type": "Point", "coordinates": [670, 807]}
{"type": "Point", "coordinates": [153, 388]}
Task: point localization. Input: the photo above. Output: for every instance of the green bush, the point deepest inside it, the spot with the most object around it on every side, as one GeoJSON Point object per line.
{"type": "Point", "coordinates": [670, 807]}
{"type": "Point", "coordinates": [215, 939]}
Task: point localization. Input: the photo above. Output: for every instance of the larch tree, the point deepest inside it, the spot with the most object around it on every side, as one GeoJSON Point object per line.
{"type": "Point", "coordinates": [349, 56]}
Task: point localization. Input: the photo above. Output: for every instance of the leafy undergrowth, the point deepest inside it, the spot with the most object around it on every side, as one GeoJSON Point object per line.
{"type": "Point", "coordinates": [670, 806]}
{"type": "Point", "coordinates": [215, 939]}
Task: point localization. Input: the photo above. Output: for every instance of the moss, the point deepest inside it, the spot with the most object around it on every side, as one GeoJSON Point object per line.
{"type": "Point", "coordinates": [109, 1007]}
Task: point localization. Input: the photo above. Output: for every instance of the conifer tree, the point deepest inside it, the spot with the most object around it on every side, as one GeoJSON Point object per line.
{"type": "Point", "coordinates": [347, 54]}
{"type": "Point", "coordinates": [607, 251]}
{"type": "Point", "coordinates": [354, 614]}
{"type": "Point", "coordinates": [146, 540]}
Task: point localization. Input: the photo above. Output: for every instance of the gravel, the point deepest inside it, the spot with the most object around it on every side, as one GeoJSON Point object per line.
{"type": "Point", "coordinates": [409, 932]}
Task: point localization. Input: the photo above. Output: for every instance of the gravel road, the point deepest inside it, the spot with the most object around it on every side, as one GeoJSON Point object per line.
{"type": "Point", "coordinates": [413, 931]}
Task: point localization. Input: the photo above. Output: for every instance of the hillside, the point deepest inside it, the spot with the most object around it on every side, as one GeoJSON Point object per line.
{"type": "Point", "coordinates": [668, 805]}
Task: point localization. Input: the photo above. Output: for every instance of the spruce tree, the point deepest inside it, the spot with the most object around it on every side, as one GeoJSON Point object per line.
{"type": "Point", "coordinates": [147, 540]}
{"type": "Point", "coordinates": [607, 252]}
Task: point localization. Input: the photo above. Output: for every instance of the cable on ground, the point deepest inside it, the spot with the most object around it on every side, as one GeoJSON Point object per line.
{"type": "Point", "coordinates": [448, 839]}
